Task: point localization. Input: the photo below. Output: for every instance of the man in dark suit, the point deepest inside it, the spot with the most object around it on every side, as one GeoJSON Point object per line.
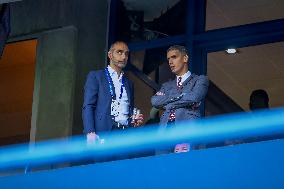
{"type": "Point", "coordinates": [109, 96]}
{"type": "Point", "coordinates": [180, 98]}
{"type": "Point", "coordinates": [258, 100]}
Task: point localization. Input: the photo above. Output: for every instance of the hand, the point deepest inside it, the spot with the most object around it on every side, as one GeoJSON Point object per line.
{"type": "Point", "coordinates": [159, 93]}
{"type": "Point", "coordinates": [138, 120]}
{"type": "Point", "coordinates": [196, 105]}
{"type": "Point", "coordinates": [184, 147]}
{"type": "Point", "coordinates": [92, 137]}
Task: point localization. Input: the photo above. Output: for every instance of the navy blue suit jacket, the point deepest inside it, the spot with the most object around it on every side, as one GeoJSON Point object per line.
{"type": "Point", "coordinates": [97, 102]}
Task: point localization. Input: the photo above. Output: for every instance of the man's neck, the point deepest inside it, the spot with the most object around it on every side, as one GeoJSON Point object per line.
{"type": "Point", "coordinates": [182, 73]}
{"type": "Point", "coordinates": [117, 69]}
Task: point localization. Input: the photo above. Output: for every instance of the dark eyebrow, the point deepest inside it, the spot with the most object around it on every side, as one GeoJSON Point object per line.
{"type": "Point", "coordinates": [173, 56]}
{"type": "Point", "coordinates": [121, 51]}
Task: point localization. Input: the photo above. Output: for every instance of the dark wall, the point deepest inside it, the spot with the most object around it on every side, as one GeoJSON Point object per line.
{"type": "Point", "coordinates": [30, 18]}
{"type": "Point", "coordinates": [33, 16]}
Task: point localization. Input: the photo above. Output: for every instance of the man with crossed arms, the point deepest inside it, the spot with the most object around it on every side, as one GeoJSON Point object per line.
{"type": "Point", "coordinates": [180, 97]}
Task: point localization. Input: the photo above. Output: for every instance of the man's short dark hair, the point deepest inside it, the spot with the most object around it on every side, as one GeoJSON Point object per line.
{"type": "Point", "coordinates": [180, 48]}
{"type": "Point", "coordinates": [115, 43]}
{"type": "Point", "coordinates": [259, 93]}
{"type": "Point", "coordinates": [255, 98]}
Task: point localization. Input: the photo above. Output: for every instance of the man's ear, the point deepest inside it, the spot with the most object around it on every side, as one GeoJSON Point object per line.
{"type": "Point", "coordinates": [109, 54]}
{"type": "Point", "coordinates": [185, 58]}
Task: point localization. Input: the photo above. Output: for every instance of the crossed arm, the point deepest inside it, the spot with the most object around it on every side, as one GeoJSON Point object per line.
{"type": "Point", "coordinates": [187, 98]}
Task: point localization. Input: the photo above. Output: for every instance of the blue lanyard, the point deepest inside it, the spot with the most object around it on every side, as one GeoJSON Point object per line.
{"type": "Point", "coordinates": [111, 90]}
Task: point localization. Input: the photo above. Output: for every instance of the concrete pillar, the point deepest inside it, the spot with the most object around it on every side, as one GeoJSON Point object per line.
{"type": "Point", "coordinates": [52, 110]}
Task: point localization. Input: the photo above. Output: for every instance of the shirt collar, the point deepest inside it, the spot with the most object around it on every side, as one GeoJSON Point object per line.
{"type": "Point", "coordinates": [184, 76]}
{"type": "Point", "coordinates": [113, 73]}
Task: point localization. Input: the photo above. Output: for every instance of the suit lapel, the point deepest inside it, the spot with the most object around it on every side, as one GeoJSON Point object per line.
{"type": "Point", "coordinates": [127, 87]}
{"type": "Point", "coordinates": [106, 84]}
{"type": "Point", "coordinates": [188, 79]}
{"type": "Point", "coordinates": [174, 82]}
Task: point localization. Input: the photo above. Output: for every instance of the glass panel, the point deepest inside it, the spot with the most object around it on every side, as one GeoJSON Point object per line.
{"type": "Point", "coordinates": [152, 63]}
{"type": "Point", "coordinates": [147, 20]}
{"type": "Point", "coordinates": [252, 68]}
{"type": "Point", "coordinates": [226, 13]}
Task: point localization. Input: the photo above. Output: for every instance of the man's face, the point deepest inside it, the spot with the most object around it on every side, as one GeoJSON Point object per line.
{"type": "Point", "coordinates": [177, 62]}
{"type": "Point", "coordinates": [118, 55]}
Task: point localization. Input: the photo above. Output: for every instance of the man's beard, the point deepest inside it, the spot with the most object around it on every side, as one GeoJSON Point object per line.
{"type": "Point", "coordinates": [119, 64]}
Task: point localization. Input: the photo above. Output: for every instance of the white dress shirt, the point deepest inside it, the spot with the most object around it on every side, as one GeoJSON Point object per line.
{"type": "Point", "coordinates": [119, 107]}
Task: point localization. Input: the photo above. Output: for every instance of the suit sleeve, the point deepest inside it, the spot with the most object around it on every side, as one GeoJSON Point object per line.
{"type": "Point", "coordinates": [159, 101]}
{"type": "Point", "coordinates": [90, 102]}
{"type": "Point", "coordinates": [132, 96]}
{"type": "Point", "coordinates": [195, 95]}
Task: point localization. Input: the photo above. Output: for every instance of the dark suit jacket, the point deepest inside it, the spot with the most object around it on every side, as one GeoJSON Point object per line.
{"type": "Point", "coordinates": [97, 102]}
{"type": "Point", "coordinates": [193, 91]}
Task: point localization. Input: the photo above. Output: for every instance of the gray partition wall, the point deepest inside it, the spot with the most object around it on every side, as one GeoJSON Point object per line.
{"type": "Point", "coordinates": [54, 84]}
{"type": "Point", "coordinates": [71, 40]}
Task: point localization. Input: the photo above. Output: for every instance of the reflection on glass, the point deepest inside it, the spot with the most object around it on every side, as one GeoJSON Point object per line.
{"type": "Point", "coordinates": [222, 14]}
{"type": "Point", "coordinates": [253, 68]}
